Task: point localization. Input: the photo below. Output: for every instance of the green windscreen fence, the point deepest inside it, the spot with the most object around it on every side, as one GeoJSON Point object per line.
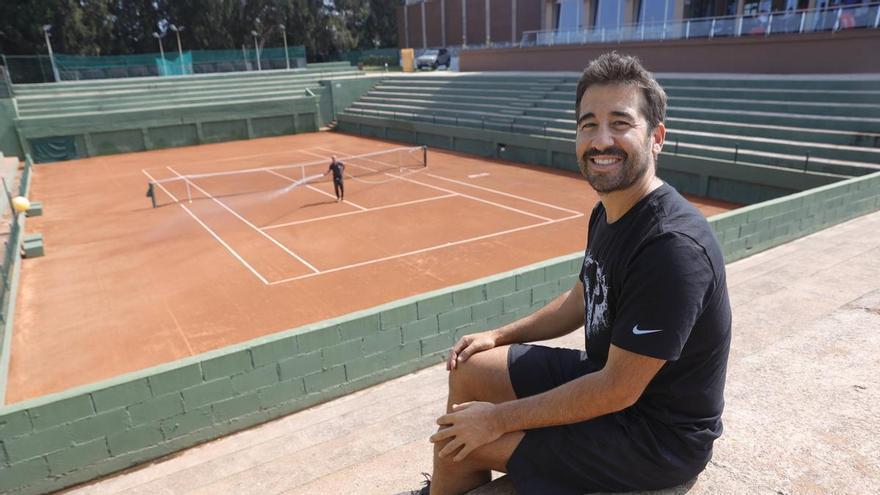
{"type": "Point", "coordinates": [28, 68]}
{"type": "Point", "coordinates": [38, 68]}
{"type": "Point", "coordinates": [53, 149]}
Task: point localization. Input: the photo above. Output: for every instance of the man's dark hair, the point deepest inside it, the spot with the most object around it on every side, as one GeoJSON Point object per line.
{"type": "Point", "coordinates": [613, 68]}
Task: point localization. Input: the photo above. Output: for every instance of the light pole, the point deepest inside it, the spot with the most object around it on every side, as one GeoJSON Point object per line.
{"type": "Point", "coordinates": [46, 29]}
{"type": "Point", "coordinates": [256, 49]}
{"type": "Point", "coordinates": [286, 56]}
{"type": "Point", "coordinates": [161, 51]}
{"type": "Point", "coordinates": [177, 30]}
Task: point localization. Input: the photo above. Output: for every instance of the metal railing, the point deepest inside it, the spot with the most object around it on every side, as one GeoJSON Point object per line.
{"type": "Point", "coordinates": [762, 24]}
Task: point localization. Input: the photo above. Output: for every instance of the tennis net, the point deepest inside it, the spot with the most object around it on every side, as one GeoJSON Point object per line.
{"type": "Point", "coordinates": [372, 168]}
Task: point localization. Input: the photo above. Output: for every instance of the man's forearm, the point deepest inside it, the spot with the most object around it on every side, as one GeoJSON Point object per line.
{"type": "Point", "coordinates": [616, 386]}
{"type": "Point", "coordinates": [579, 400]}
{"type": "Point", "coordinates": [559, 317]}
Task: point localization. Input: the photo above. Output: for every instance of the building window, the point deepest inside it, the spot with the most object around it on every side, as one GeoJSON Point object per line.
{"type": "Point", "coordinates": [609, 14]}
{"type": "Point", "coordinates": [568, 14]}
{"type": "Point", "coordinates": [656, 10]}
{"type": "Point", "coordinates": [765, 6]}
{"type": "Point", "coordinates": [695, 9]}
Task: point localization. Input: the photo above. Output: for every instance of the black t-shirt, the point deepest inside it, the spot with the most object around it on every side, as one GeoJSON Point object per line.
{"type": "Point", "coordinates": [654, 284]}
{"type": "Point", "coordinates": [337, 168]}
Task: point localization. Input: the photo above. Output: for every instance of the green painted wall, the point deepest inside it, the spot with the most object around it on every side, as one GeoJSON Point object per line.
{"type": "Point", "coordinates": [344, 92]}
{"type": "Point", "coordinates": [705, 177]}
{"type": "Point", "coordinates": [9, 143]}
{"type": "Point", "coordinates": [123, 132]}
{"type": "Point", "coordinates": [752, 229]}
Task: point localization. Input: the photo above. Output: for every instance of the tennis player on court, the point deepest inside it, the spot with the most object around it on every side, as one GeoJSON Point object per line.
{"type": "Point", "coordinates": [640, 409]}
{"type": "Point", "coordinates": [338, 169]}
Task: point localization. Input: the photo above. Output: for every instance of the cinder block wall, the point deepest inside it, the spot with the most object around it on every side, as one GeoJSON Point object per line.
{"type": "Point", "coordinates": [60, 440]}
{"type": "Point", "coordinates": [752, 229]}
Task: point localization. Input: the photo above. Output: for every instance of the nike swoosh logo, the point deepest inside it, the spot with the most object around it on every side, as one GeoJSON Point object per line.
{"type": "Point", "coordinates": [637, 331]}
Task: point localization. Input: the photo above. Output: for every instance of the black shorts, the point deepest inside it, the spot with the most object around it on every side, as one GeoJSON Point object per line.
{"type": "Point", "coordinates": [616, 452]}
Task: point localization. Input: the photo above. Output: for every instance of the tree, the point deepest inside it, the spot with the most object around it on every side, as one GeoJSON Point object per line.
{"type": "Point", "coordinates": [380, 27]}
{"type": "Point", "coordinates": [118, 27]}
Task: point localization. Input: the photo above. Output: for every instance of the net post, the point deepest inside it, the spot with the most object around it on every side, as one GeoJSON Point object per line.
{"type": "Point", "coordinates": [151, 193]}
{"type": "Point", "coordinates": [424, 155]}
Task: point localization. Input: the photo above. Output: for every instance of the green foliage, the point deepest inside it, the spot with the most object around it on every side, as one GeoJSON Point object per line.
{"type": "Point", "coordinates": [327, 28]}
{"type": "Point", "coordinates": [379, 60]}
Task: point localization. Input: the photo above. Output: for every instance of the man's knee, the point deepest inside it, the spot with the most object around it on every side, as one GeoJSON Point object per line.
{"type": "Point", "coordinates": [484, 376]}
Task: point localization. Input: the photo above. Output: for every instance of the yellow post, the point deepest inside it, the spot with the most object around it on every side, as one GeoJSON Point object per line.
{"type": "Point", "coordinates": [407, 59]}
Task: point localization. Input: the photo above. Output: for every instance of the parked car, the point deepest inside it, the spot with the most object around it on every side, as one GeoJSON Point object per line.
{"type": "Point", "coordinates": [433, 59]}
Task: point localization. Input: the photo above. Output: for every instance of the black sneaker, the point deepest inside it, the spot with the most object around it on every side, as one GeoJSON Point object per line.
{"type": "Point", "coordinates": [426, 489]}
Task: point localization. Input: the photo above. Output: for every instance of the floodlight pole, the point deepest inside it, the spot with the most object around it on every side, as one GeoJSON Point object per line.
{"type": "Point", "coordinates": [257, 50]}
{"type": "Point", "coordinates": [286, 56]}
{"type": "Point", "coordinates": [177, 30]}
{"type": "Point", "coordinates": [161, 49]}
{"type": "Point", "coordinates": [46, 29]}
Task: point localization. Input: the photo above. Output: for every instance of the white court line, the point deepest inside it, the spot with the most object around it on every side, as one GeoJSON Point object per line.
{"type": "Point", "coordinates": [499, 205]}
{"type": "Point", "coordinates": [228, 248]}
{"type": "Point", "coordinates": [503, 193]}
{"type": "Point", "coordinates": [316, 190]}
{"type": "Point", "coordinates": [230, 210]}
{"type": "Point", "coordinates": [474, 176]}
{"type": "Point", "coordinates": [220, 240]}
{"type": "Point", "coordinates": [358, 212]}
{"type": "Point", "coordinates": [425, 250]}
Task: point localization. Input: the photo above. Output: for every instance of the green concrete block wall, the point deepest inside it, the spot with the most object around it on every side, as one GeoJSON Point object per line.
{"type": "Point", "coordinates": [59, 440]}
{"type": "Point", "coordinates": [754, 228]}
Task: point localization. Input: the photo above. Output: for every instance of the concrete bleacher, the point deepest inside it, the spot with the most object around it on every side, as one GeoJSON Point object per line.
{"type": "Point", "coordinates": [820, 125]}
{"type": "Point", "coordinates": [39, 100]}
{"type": "Point", "coordinates": [76, 119]}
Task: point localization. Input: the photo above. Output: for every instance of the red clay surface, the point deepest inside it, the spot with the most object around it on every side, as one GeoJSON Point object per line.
{"type": "Point", "coordinates": [124, 286]}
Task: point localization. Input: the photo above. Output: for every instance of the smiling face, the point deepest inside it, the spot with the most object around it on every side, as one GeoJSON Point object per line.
{"type": "Point", "coordinates": [614, 145]}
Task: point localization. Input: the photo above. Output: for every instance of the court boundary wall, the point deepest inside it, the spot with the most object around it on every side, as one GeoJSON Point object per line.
{"type": "Point", "coordinates": [705, 177]}
{"type": "Point", "coordinates": [12, 270]}
{"type": "Point", "coordinates": [66, 438]}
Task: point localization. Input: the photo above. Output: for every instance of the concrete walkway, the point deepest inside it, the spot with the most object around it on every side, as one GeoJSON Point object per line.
{"type": "Point", "coordinates": [802, 414]}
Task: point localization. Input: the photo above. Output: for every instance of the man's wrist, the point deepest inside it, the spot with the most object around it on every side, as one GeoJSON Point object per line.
{"type": "Point", "coordinates": [503, 416]}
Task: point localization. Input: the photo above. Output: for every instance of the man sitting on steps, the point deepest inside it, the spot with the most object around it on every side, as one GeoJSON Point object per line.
{"type": "Point", "coordinates": [641, 407]}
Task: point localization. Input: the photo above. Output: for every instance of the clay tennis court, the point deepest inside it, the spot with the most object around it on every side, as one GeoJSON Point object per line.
{"type": "Point", "coordinates": [227, 258]}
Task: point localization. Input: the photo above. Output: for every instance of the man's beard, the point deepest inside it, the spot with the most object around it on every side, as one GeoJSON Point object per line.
{"type": "Point", "coordinates": [633, 168]}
